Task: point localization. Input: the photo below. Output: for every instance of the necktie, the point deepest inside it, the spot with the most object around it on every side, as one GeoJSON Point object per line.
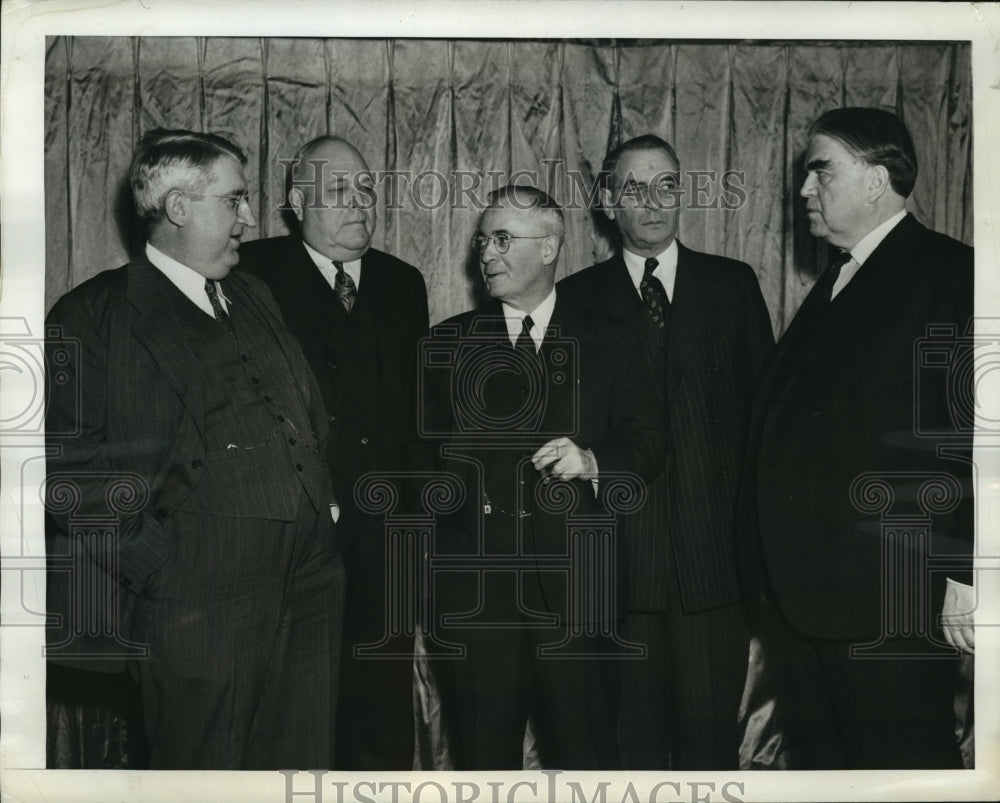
{"type": "Point", "coordinates": [837, 263]}
{"type": "Point", "coordinates": [346, 289]}
{"type": "Point", "coordinates": [524, 341]}
{"type": "Point", "coordinates": [654, 296]}
{"type": "Point", "coordinates": [220, 314]}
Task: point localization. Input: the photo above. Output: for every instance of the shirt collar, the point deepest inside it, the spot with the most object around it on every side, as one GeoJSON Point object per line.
{"type": "Point", "coordinates": [540, 317]}
{"type": "Point", "coordinates": [666, 271]}
{"type": "Point", "coordinates": [187, 280]}
{"type": "Point", "coordinates": [325, 265]}
{"type": "Point", "coordinates": [874, 238]}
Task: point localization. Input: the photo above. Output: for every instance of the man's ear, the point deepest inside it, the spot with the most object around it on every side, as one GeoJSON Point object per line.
{"type": "Point", "coordinates": [296, 200]}
{"type": "Point", "coordinates": [878, 182]}
{"type": "Point", "coordinates": [550, 249]}
{"type": "Point", "coordinates": [607, 203]}
{"type": "Point", "coordinates": [175, 208]}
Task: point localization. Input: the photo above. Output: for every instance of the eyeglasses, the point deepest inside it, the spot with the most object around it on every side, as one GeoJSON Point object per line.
{"type": "Point", "coordinates": [501, 241]}
{"type": "Point", "coordinates": [232, 201]}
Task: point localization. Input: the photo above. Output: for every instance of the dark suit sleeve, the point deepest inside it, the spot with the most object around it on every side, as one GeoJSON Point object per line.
{"type": "Point", "coordinates": [759, 333]}
{"type": "Point", "coordinates": [953, 306]}
{"type": "Point", "coordinates": [637, 435]}
{"type": "Point", "coordinates": [414, 370]}
{"type": "Point", "coordinates": [79, 451]}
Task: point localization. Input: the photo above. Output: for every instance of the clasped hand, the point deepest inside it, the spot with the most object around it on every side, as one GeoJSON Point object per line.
{"type": "Point", "coordinates": [564, 460]}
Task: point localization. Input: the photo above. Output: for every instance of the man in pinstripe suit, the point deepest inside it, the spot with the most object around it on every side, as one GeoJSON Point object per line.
{"type": "Point", "coordinates": [707, 331]}
{"type": "Point", "coordinates": [188, 387]}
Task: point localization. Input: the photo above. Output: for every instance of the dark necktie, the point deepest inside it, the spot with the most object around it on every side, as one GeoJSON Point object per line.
{"type": "Point", "coordinates": [837, 262]}
{"type": "Point", "coordinates": [524, 341]}
{"type": "Point", "coordinates": [346, 289]}
{"type": "Point", "coordinates": [654, 296]}
{"type": "Point", "coordinates": [220, 314]}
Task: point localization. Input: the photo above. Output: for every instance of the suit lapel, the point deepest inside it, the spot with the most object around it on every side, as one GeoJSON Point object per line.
{"type": "Point", "coordinates": [818, 328]}
{"type": "Point", "coordinates": [561, 402]}
{"type": "Point", "coordinates": [157, 326]}
{"type": "Point", "coordinates": [383, 309]}
{"type": "Point", "coordinates": [688, 315]}
{"type": "Point", "coordinates": [885, 269]}
{"type": "Point", "coordinates": [316, 300]}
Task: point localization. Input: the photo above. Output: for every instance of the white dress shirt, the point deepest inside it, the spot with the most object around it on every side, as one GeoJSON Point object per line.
{"type": "Point", "coordinates": [863, 250]}
{"type": "Point", "coordinates": [540, 317]}
{"type": "Point", "coordinates": [187, 280]}
{"type": "Point", "coordinates": [352, 268]}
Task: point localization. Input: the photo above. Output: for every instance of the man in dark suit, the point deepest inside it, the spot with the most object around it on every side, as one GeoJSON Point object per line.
{"type": "Point", "coordinates": [542, 411]}
{"type": "Point", "coordinates": [358, 314]}
{"type": "Point", "coordinates": [702, 322]}
{"type": "Point", "coordinates": [858, 473]}
{"type": "Point", "coordinates": [190, 419]}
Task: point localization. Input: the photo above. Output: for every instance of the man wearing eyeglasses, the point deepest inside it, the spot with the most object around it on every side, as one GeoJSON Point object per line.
{"type": "Point", "coordinates": [540, 410]}
{"type": "Point", "coordinates": [704, 326]}
{"type": "Point", "coordinates": [191, 413]}
{"type": "Point", "coordinates": [358, 313]}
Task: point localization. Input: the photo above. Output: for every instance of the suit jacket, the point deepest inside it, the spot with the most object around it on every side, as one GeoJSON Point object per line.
{"type": "Point", "coordinates": [718, 338]}
{"type": "Point", "coordinates": [126, 403]}
{"type": "Point", "coordinates": [848, 393]}
{"type": "Point", "coordinates": [306, 300]}
{"type": "Point", "coordinates": [597, 391]}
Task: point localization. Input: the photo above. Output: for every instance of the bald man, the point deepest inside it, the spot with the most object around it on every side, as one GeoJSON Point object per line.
{"type": "Point", "coordinates": [358, 314]}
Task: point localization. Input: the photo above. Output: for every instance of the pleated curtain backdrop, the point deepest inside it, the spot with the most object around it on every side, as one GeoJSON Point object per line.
{"type": "Point", "coordinates": [437, 115]}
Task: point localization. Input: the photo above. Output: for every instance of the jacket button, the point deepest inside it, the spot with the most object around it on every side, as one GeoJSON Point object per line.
{"type": "Point", "coordinates": [299, 467]}
{"type": "Point", "coordinates": [291, 441]}
{"type": "Point", "coordinates": [364, 441]}
{"type": "Point", "coordinates": [196, 464]}
{"type": "Point", "coordinates": [281, 419]}
{"type": "Point", "coordinates": [245, 357]}
{"type": "Point", "coordinates": [331, 418]}
{"type": "Point", "coordinates": [268, 399]}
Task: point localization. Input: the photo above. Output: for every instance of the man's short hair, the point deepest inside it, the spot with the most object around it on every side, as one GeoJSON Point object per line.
{"type": "Point", "coordinates": [174, 159]}
{"type": "Point", "coordinates": [522, 196]}
{"type": "Point", "coordinates": [645, 142]}
{"type": "Point", "coordinates": [876, 136]}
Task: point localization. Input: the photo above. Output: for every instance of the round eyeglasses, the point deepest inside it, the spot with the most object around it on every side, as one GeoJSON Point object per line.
{"type": "Point", "coordinates": [233, 200]}
{"type": "Point", "coordinates": [501, 241]}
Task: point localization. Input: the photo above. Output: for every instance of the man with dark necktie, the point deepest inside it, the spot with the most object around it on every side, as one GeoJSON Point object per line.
{"type": "Point", "coordinates": [859, 467]}
{"type": "Point", "coordinates": [358, 314]}
{"type": "Point", "coordinates": [703, 324]}
{"type": "Point", "coordinates": [194, 413]}
{"type": "Point", "coordinates": [538, 409]}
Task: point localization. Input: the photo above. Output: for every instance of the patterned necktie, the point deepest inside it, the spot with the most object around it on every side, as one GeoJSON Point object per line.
{"type": "Point", "coordinates": [654, 296]}
{"type": "Point", "coordinates": [837, 263]}
{"type": "Point", "coordinates": [220, 313]}
{"type": "Point", "coordinates": [346, 289]}
{"type": "Point", "coordinates": [524, 340]}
